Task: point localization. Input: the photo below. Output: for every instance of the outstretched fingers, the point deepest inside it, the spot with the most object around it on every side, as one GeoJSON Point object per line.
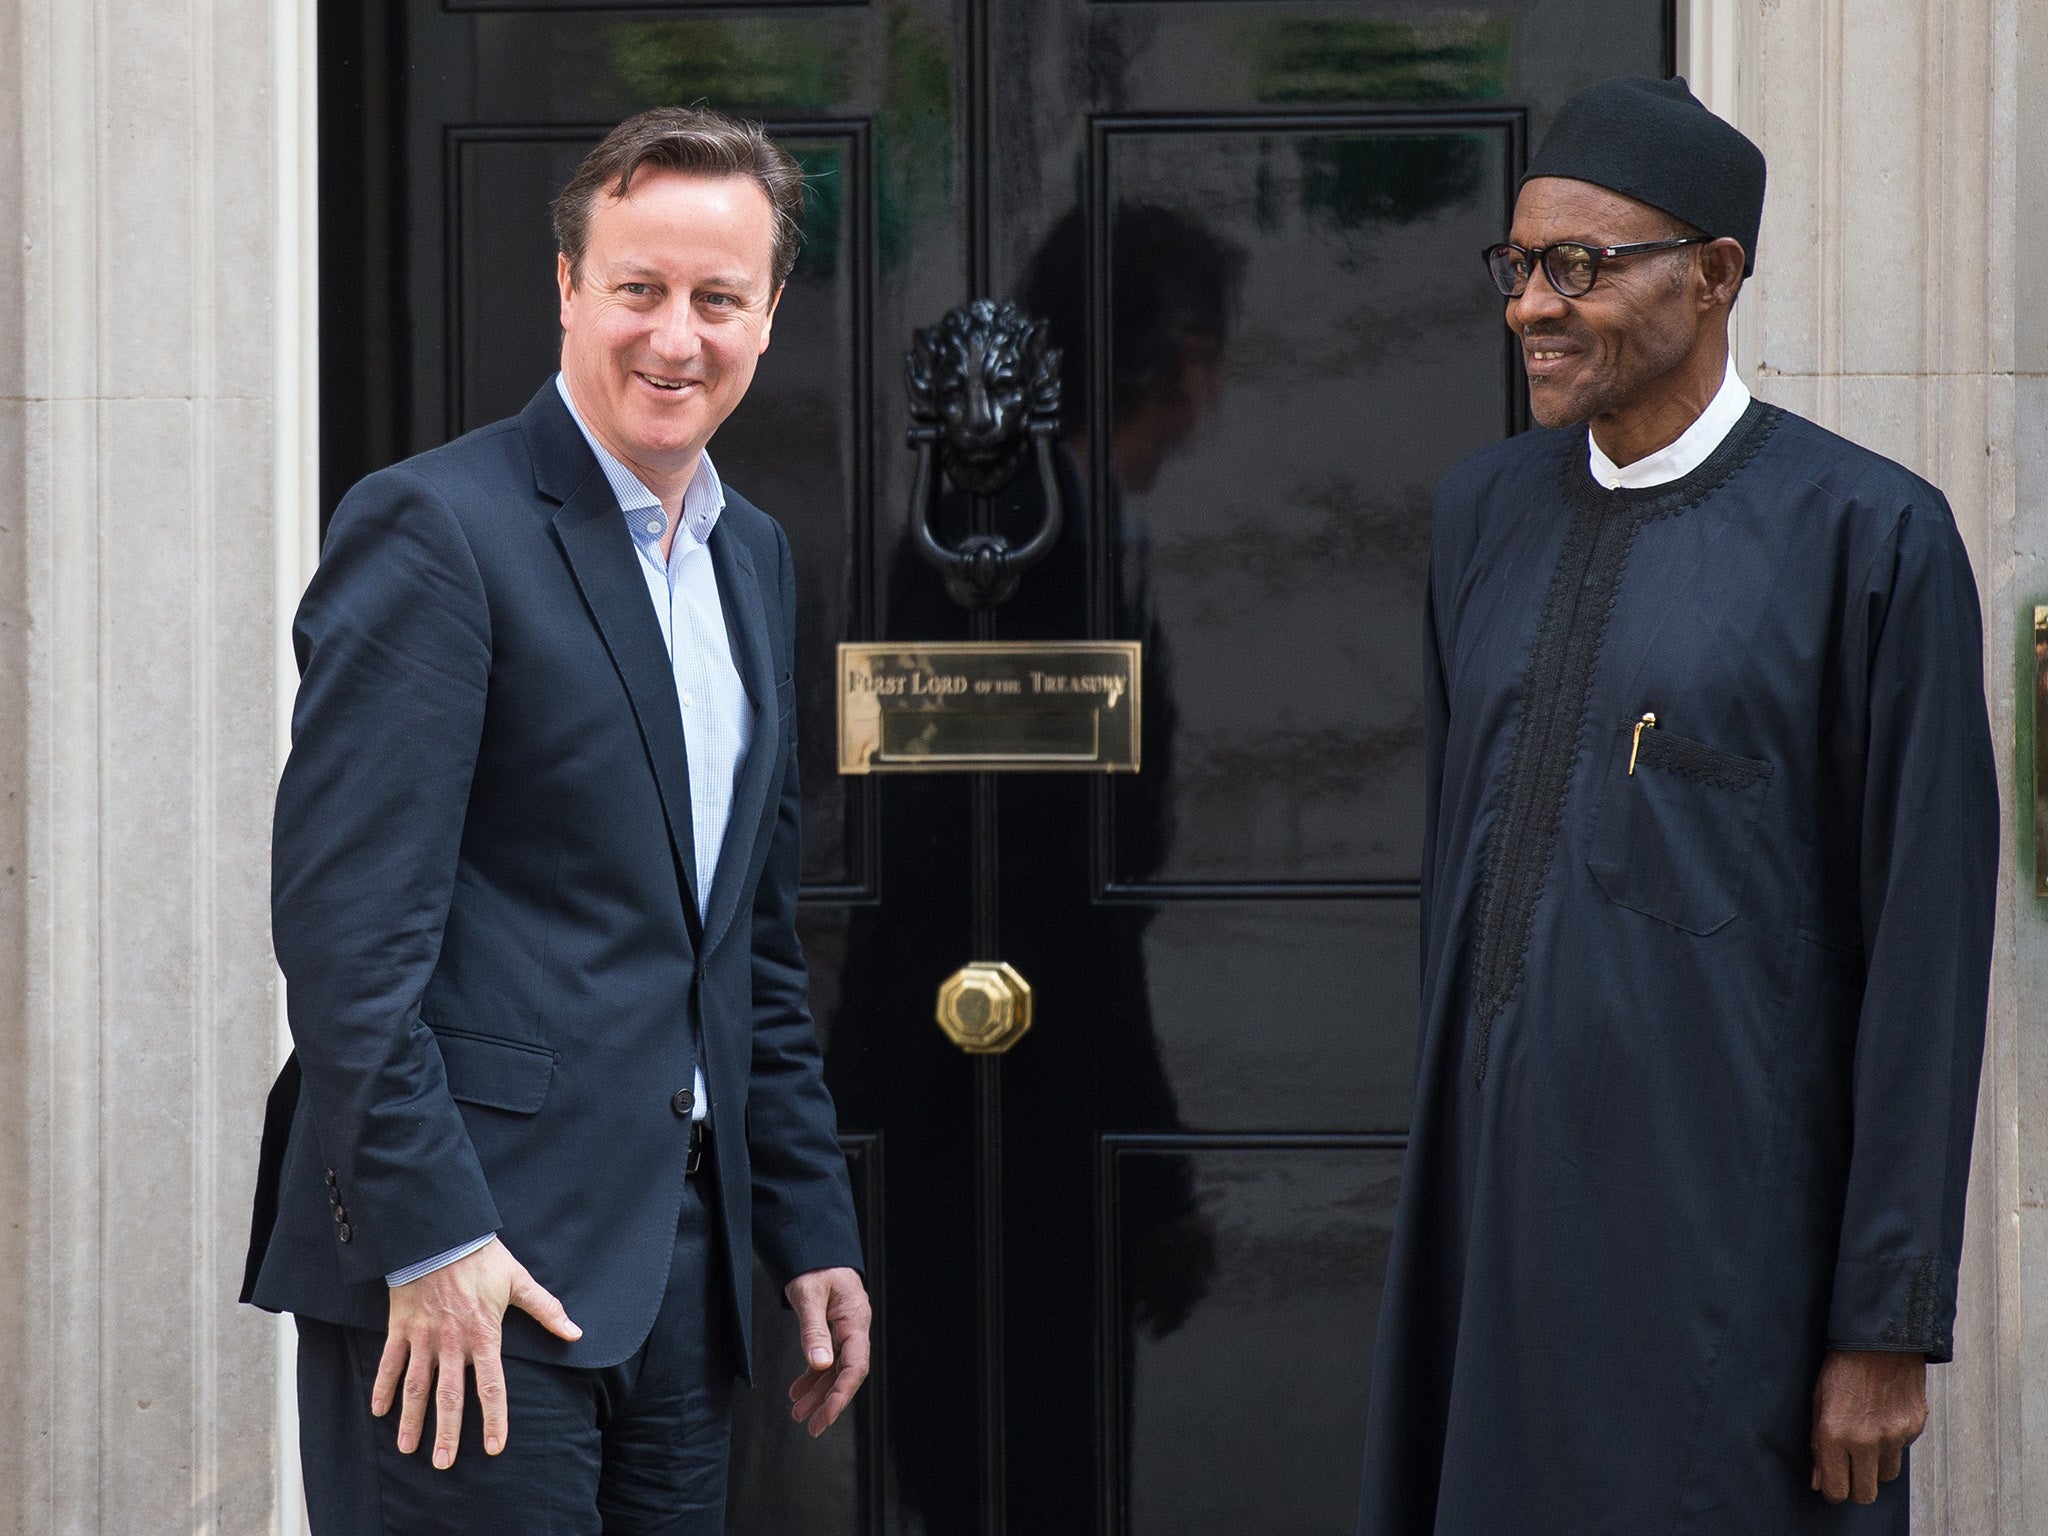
{"type": "Point", "coordinates": [454, 1379]}
{"type": "Point", "coordinates": [412, 1411]}
{"type": "Point", "coordinates": [390, 1371]}
{"type": "Point", "coordinates": [539, 1303]}
{"type": "Point", "coordinates": [445, 1326]}
{"type": "Point", "coordinates": [490, 1396]}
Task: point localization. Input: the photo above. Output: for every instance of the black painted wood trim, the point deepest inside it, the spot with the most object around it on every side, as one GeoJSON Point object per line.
{"type": "Point", "coordinates": [864, 1165]}
{"type": "Point", "coordinates": [1125, 893]}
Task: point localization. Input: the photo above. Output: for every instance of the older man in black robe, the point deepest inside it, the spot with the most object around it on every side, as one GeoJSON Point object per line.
{"type": "Point", "coordinates": [1707, 898]}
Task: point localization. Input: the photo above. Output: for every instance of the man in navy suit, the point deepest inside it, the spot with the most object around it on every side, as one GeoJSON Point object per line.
{"type": "Point", "coordinates": [535, 886]}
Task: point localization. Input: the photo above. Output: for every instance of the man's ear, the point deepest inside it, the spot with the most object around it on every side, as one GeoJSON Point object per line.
{"type": "Point", "coordinates": [565, 280]}
{"type": "Point", "coordinates": [768, 322]}
{"type": "Point", "coordinates": [1721, 264]}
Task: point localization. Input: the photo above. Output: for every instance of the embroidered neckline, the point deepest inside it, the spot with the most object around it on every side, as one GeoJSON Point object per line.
{"type": "Point", "coordinates": [1556, 687]}
{"type": "Point", "coordinates": [1751, 430]}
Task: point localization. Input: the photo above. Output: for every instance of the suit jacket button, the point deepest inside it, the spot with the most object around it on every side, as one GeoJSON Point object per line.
{"type": "Point", "coordinates": [343, 1232]}
{"type": "Point", "coordinates": [683, 1102]}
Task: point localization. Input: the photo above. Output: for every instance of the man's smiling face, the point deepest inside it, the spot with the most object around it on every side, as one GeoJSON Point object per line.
{"type": "Point", "coordinates": [667, 313]}
{"type": "Point", "coordinates": [1611, 348]}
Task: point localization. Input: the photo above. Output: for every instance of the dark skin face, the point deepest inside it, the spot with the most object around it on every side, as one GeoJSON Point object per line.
{"type": "Point", "coordinates": [1642, 354]}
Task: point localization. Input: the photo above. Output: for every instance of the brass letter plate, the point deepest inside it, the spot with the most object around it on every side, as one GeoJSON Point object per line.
{"type": "Point", "coordinates": [989, 706]}
{"type": "Point", "coordinates": [2041, 751]}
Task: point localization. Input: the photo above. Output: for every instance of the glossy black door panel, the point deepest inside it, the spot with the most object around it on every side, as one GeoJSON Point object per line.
{"type": "Point", "coordinates": [1212, 1434]}
{"type": "Point", "coordinates": [1282, 1015]}
{"type": "Point", "coordinates": [1363, 357]}
{"type": "Point", "coordinates": [502, 271]}
{"type": "Point", "coordinates": [1126, 1274]}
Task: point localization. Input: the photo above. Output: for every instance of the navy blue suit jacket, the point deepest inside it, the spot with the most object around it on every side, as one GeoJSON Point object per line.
{"type": "Point", "coordinates": [482, 903]}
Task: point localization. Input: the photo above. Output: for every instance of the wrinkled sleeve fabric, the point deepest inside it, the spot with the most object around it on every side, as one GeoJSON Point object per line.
{"type": "Point", "coordinates": [1928, 892]}
{"type": "Point", "coordinates": [803, 1202]}
{"type": "Point", "coordinates": [394, 650]}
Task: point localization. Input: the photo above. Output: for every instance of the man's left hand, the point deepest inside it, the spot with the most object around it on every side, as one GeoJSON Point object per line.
{"type": "Point", "coordinates": [833, 1317]}
{"type": "Point", "coordinates": [1868, 1406]}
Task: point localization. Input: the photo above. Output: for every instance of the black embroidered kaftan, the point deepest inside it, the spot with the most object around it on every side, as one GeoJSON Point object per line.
{"type": "Point", "coordinates": [1703, 998]}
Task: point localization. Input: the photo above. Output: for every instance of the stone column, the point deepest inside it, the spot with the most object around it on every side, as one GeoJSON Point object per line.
{"type": "Point", "coordinates": [141, 537]}
{"type": "Point", "coordinates": [1894, 303]}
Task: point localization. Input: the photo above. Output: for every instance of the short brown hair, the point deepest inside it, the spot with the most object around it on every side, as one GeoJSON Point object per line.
{"type": "Point", "coordinates": [697, 142]}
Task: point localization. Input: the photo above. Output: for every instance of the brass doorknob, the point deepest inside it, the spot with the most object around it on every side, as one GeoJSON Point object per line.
{"type": "Point", "coordinates": [985, 1007]}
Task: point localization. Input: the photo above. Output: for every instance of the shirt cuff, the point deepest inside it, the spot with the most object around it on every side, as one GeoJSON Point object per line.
{"type": "Point", "coordinates": [426, 1267]}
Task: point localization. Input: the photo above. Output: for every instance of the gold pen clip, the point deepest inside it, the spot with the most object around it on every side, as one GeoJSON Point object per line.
{"type": "Point", "coordinates": [1648, 721]}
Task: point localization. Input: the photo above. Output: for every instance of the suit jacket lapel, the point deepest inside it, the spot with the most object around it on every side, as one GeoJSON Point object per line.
{"type": "Point", "coordinates": [593, 536]}
{"type": "Point", "coordinates": [739, 593]}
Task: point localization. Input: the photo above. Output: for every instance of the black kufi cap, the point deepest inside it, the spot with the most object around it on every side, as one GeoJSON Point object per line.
{"type": "Point", "coordinates": [1654, 141]}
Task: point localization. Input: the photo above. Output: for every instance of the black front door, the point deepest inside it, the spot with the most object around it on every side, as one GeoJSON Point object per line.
{"type": "Point", "coordinates": [1127, 1273]}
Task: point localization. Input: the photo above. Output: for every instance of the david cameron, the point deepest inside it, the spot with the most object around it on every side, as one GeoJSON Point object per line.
{"type": "Point", "coordinates": [555, 1082]}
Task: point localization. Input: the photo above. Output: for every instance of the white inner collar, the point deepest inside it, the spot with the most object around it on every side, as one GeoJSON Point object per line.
{"type": "Point", "coordinates": [703, 499]}
{"type": "Point", "coordinates": [1679, 459]}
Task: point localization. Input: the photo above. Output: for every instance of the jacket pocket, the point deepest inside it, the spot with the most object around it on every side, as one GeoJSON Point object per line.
{"type": "Point", "coordinates": [497, 1074]}
{"type": "Point", "coordinates": [1675, 839]}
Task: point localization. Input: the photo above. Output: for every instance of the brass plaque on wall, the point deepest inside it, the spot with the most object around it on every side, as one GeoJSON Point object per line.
{"type": "Point", "coordinates": [989, 706]}
{"type": "Point", "coordinates": [2041, 751]}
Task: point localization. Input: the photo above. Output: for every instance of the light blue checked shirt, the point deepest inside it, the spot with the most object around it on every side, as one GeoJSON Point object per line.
{"type": "Point", "coordinates": [718, 724]}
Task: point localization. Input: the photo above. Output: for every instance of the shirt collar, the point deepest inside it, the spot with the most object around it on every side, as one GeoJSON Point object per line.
{"type": "Point", "coordinates": [646, 518]}
{"type": "Point", "coordinates": [1688, 453]}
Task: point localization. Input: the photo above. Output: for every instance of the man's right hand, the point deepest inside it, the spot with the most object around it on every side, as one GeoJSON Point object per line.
{"type": "Point", "coordinates": [443, 1325]}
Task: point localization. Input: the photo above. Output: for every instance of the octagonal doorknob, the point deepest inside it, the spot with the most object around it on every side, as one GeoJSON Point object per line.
{"type": "Point", "coordinates": [985, 1007]}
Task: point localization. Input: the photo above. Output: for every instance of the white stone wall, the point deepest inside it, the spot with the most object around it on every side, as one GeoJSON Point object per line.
{"type": "Point", "coordinates": [139, 699]}
{"type": "Point", "coordinates": [1896, 301]}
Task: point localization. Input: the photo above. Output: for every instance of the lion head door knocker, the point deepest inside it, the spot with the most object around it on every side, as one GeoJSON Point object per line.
{"type": "Point", "coordinates": [984, 397]}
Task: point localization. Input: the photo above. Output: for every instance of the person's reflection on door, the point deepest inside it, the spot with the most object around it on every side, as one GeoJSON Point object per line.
{"type": "Point", "coordinates": [1172, 296]}
{"type": "Point", "coordinates": [1172, 292]}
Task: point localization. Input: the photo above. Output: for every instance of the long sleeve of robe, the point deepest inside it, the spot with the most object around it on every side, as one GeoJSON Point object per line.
{"type": "Point", "coordinates": [1708, 887]}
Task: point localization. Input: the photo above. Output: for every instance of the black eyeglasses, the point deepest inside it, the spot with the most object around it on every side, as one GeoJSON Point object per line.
{"type": "Point", "coordinates": [1571, 265]}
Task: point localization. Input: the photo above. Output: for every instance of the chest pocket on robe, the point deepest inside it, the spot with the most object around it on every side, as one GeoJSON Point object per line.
{"type": "Point", "coordinates": [1675, 839]}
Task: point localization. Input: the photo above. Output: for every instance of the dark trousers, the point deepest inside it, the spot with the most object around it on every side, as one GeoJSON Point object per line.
{"type": "Point", "coordinates": [635, 1449]}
